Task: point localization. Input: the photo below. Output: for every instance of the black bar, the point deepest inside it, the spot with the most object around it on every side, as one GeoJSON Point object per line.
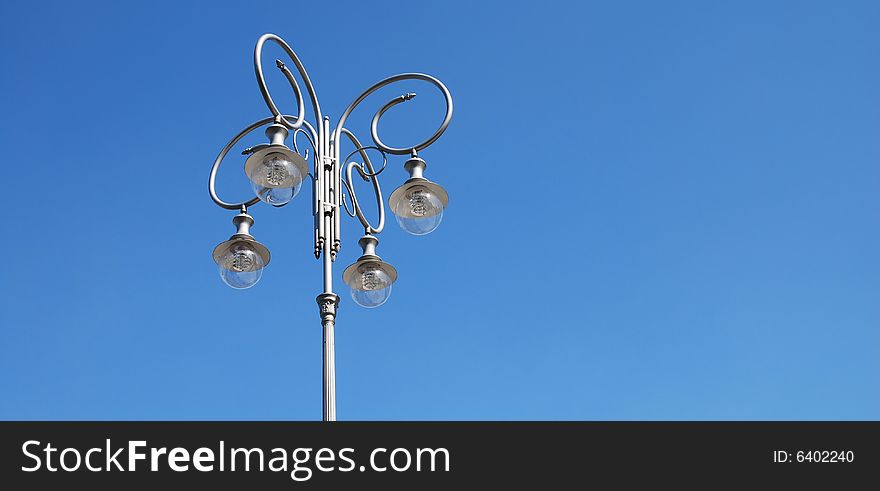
{"type": "Point", "coordinates": [564, 455]}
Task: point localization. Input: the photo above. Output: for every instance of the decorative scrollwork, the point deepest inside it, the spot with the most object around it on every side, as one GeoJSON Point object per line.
{"type": "Point", "coordinates": [327, 178]}
{"type": "Point", "coordinates": [367, 173]}
{"type": "Point", "coordinates": [308, 137]}
{"type": "Point", "coordinates": [261, 80]}
{"type": "Point", "coordinates": [374, 126]}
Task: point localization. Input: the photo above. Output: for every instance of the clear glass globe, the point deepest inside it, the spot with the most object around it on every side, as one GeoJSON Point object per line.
{"type": "Point", "coordinates": [241, 267]}
{"type": "Point", "coordinates": [276, 180]}
{"type": "Point", "coordinates": [370, 286]}
{"type": "Point", "coordinates": [418, 211]}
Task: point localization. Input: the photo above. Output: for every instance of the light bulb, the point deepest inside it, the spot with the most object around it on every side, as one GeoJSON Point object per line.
{"type": "Point", "coordinates": [241, 267]}
{"type": "Point", "coordinates": [276, 180]}
{"type": "Point", "coordinates": [370, 285]}
{"type": "Point", "coordinates": [418, 211]}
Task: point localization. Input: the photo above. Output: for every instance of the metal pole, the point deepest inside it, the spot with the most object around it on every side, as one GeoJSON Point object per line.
{"type": "Point", "coordinates": [328, 301]}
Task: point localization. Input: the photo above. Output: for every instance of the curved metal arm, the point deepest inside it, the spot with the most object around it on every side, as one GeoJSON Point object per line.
{"type": "Point", "coordinates": [258, 69]}
{"type": "Point", "coordinates": [357, 207]}
{"type": "Point", "coordinates": [219, 160]}
{"type": "Point", "coordinates": [396, 78]}
{"type": "Point", "coordinates": [369, 174]}
{"type": "Point", "coordinates": [308, 137]}
{"type": "Point", "coordinates": [296, 92]}
{"type": "Point", "coordinates": [363, 151]}
{"type": "Point", "coordinates": [344, 204]}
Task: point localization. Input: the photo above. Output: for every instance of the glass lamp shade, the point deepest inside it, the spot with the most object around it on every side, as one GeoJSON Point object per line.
{"type": "Point", "coordinates": [240, 261]}
{"type": "Point", "coordinates": [418, 205]}
{"type": "Point", "coordinates": [276, 174]}
{"type": "Point", "coordinates": [370, 281]}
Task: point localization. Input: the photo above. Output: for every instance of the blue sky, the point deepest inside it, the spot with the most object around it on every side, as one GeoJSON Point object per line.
{"type": "Point", "coordinates": [657, 211]}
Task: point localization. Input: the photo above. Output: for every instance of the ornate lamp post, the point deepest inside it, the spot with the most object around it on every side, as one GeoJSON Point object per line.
{"type": "Point", "coordinates": [276, 173]}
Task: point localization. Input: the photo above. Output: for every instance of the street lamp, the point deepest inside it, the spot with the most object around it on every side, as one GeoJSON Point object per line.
{"type": "Point", "coordinates": [276, 173]}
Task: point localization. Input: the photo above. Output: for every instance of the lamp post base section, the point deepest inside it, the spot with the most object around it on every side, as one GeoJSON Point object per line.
{"type": "Point", "coordinates": [328, 303]}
